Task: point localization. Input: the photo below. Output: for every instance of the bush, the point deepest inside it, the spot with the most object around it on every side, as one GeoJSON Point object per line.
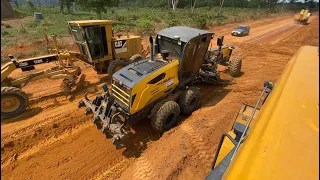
{"type": "Point", "coordinates": [173, 22]}
{"type": "Point", "coordinates": [30, 4]}
{"type": "Point", "coordinates": [200, 20]}
{"type": "Point", "coordinates": [7, 26]}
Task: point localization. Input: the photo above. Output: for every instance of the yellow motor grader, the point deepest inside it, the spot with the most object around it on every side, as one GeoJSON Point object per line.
{"type": "Point", "coordinates": [14, 101]}
{"type": "Point", "coordinates": [96, 41]}
{"type": "Point", "coordinates": [159, 87]}
{"type": "Point", "coordinates": [302, 17]}
{"type": "Point", "coordinates": [221, 56]}
{"type": "Point", "coordinates": [97, 46]}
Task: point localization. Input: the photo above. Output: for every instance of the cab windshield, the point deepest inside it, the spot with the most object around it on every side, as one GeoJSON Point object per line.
{"type": "Point", "coordinates": [241, 27]}
{"type": "Point", "coordinates": [76, 33]}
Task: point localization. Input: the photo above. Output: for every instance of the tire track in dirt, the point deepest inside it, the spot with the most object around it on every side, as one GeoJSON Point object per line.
{"type": "Point", "coordinates": [47, 142]}
{"type": "Point", "coordinates": [203, 151]}
{"type": "Point", "coordinates": [143, 169]}
{"type": "Point", "coordinates": [114, 171]}
{"type": "Point", "coordinates": [56, 118]}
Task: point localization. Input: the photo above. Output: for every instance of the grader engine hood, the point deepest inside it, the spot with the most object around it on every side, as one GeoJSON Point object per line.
{"type": "Point", "coordinates": [134, 73]}
{"type": "Point", "coordinates": [124, 80]}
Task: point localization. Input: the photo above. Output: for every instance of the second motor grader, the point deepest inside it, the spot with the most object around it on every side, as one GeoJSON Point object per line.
{"type": "Point", "coordinates": [221, 56]}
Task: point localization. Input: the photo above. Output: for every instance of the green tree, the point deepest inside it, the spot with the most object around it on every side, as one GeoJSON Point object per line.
{"type": "Point", "coordinates": [30, 4]}
{"type": "Point", "coordinates": [67, 3]}
{"type": "Point", "coordinates": [98, 6]}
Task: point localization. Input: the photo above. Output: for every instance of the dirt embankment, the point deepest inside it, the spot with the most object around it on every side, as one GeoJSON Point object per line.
{"type": "Point", "coordinates": [55, 140]}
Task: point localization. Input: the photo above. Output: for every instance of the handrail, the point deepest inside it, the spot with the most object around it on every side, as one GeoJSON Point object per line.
{"type": "Point", "coordinates": [251, 117]}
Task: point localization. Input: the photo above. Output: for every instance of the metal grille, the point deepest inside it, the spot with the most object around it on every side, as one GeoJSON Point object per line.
{"type": "Point", "coordinates": [121, 95]}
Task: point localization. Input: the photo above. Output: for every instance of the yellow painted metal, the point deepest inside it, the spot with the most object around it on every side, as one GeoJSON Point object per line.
{"type": "Point", "coordinates": [7, 69]}
{"type": "Point", "coordinates": [148, 93]}
{"type": "Point", "coordinates": [121, 90]}
{"type": "Point", "coordinates": [283, 142]}
{"type": "Point", "coordinates": [91, 22]}
{"type": "Point", "coordinates": [226, 147]}
{"type": "Point", "coordinates": [120, 99]}
{"type": "Point", "coordinates": [242, 118]}
{"type": "Point", "coordinates": [303, 15]}
{"type": "Point", "coordinates": [132, 47]}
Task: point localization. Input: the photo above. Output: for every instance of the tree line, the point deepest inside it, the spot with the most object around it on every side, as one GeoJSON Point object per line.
{"type": "Point", "coordinates": [100, 6]}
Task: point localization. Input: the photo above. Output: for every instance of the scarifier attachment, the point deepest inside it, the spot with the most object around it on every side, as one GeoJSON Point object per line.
{"type": "Point", "coordinates": [106, 116]}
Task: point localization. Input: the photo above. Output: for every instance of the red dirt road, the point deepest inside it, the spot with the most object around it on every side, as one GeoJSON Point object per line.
{"type": "Point", "coordinates": [53, 139]}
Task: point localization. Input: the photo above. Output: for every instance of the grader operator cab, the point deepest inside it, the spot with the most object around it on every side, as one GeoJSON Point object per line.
{"type": "Point", "coordinates": [158, 87]}
{"type": "Point", "coordinates": [95, 40]}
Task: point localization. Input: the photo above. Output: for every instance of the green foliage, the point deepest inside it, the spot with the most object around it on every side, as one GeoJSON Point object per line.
{"type": "Point", "coordinates": [98, 6]}
{"type": "Point", "coordinates": [22, 29]}
{"type": "Point", "coordinates": [145, 27]}
{"type": "Point", "coordinates": [145, 21]}
{"type": "Point", "coordinates": [16, 4]}
{"type": "Point", "coordinates": [7, 25]}
{"type": "Point", "coordinates": [200, 20]}
{"type": "Point", "coordinates": [40, 51]}
{"type": "Point", "coordinates": [4, 33]}
{"type": "Point", "coordinates": [30, 4]}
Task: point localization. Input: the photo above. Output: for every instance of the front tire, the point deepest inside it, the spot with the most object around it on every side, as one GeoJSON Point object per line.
{"type": "Point", "coordinates": [13, 102]}
{"type": "Point", "coordinates": [116, 65]}
{"type": "Point", "coordinates": [189, 101]}
{"type": "Point", "coordinates": [235, 67]}
{"type": "Point", "coordinates": [166, 117]}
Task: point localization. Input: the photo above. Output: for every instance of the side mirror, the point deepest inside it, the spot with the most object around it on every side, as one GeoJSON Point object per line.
{"type": "Point", "coordinates": [268, 85]}
{"type": "Point", "coordinates": [220, 41]}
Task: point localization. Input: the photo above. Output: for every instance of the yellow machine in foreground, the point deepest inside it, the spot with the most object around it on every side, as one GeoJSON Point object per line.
{"type": "Point", "coordinates": [280, 141]}
{"type": "Point", "coordinates": [302, 17]}
{"type": "Point", "coordinates": [95, 40]}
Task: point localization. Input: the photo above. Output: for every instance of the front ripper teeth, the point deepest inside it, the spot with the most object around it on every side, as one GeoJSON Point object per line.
{"type": "Point", "coordinates": [81, 104]}
{"type": "Point", "coordinates": [104, 112]}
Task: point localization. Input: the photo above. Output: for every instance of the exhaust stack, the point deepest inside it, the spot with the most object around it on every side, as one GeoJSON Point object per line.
{"type": "Point", "coordinates": [151, 48]}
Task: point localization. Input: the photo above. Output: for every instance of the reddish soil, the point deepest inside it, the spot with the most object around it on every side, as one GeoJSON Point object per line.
{"type": "Point", "coordinates": [53, 139]}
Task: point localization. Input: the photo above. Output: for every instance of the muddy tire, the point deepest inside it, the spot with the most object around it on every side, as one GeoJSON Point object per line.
{"type": "Point", "coordinates": [135, 58]}
{"type": "Point", "coordinates": [235, 67]}
{"type": "Point", "coordinates": [13, 102]}
{"type": "Point", "coordinates": [189, 100]}
{"type": "Point", "coordinates": [166, 117]}
{"type": "Point", "coordinates": [116, 65]}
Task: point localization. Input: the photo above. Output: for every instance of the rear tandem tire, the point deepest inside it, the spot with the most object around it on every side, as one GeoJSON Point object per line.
{"type": "Point", "coordinates": [166, 117]}
{"type": "Point", "coordinates": [189, 101]}
{"type": "Point", "coordinates": [13, 102]}
{"type": "Point", "coordinates": [116, 65]}
{"type": "Point", "coordinates": [235, 67]}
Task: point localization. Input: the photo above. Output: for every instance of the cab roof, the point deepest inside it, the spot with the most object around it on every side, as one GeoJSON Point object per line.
{"type": "Point", "coordinates": [90, 22]}
{"type": "Point", "coordinates": [185, 33]}
{"type": "Point", "coordinates": [283, 142]}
